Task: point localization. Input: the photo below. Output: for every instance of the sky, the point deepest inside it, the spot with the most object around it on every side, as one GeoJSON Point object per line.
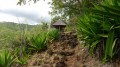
{"type": "Point", "coordinates": [31, 13]}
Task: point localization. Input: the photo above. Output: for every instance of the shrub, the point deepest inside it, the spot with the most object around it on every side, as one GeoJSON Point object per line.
{"type": "Point", "coordinates": [54, 34]}
{"type": "Point", "coordinates": [100, 29]}
{"type": "Point", "coordinates": [6, 59]}
{"type": "Point", "coordinates": [38, 42]}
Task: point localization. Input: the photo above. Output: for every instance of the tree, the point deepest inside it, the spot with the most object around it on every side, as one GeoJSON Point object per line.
{"type": "Point", "coordinates": [71, 9]}
{"type": "Point", "coordinates": [24, 1]}
{"type": "Point", "coordinates": [54, 19]}
{"type": "Point", "coordinates": [68, 9]}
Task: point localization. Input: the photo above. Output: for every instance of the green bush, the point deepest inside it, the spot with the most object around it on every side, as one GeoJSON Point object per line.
{"type": "Point", "coordinates": [6, 59]}
{"type": "Point", "coordinates": [38, 42]}
{"type": "Point", "coordinates": [54, 34]}
{"type": "Point", "coordinates": [100, 27]}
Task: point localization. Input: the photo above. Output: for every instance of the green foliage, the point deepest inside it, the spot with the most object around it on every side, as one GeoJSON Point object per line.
{"type": "Point", "coordinates": [20, 49]}
{"type": "Point", "coordinates": [24, 1]}
{"type": "Point", "coordinates": [54, 34]}
{"type": "Point", "coordinates": [22, 60]}
{"type": "Point", "coordinates": [100, 27]}
{"type": "Point", "coordinates": [69, 10]}
{"type": "Point", "coordinates": [11, 31]}
{"type": "Point", "coordinates": [22, 40]}
{"type": "Point", "coordinates": [110, 43]}
{"type": "Point", "coordinates": [14, 26]}
{"type": "Point", "coordinates": [21, 55]}
{"type": "Point", "coordinates": [54, 19]}
{"type": "Point", "coordinates": [19, 38]}
{"type": "Point", "coordinates": [6, 59]}
{"type": "Point", "coordinates": [38, 42]}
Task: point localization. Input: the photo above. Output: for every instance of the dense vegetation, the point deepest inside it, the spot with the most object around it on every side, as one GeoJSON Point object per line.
{"type": "Point", "coordinates": [19, 41]}
{"type": "Point", "coordinates": [97, 24]}
{"type": "Point", "coordinates": [96, 21]}
{"type": "Point", "coordinates": [100, 28]}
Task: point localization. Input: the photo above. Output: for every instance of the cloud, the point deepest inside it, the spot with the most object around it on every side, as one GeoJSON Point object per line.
{"type": "Point", "coordinates": [34, 13]}
{"type": "Point", "coordinates": [31, 15]}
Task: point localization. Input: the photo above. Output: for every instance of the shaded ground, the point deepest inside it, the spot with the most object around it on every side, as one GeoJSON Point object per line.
{"type": "Point", "coordinates": [60, 54]}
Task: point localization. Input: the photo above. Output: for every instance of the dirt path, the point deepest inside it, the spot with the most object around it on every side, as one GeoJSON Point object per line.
{"type": "Point", "coordinates": [61, 54]}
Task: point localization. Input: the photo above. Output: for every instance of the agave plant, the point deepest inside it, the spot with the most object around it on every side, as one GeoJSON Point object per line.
{"type": "Point", "coordinates": [6, 59]}
{"type": "Point", "coordinates": [100, 28]}
{"type": "Point", "coordinates": [53, 34]}
{"type": "Point", "coordinates": [39, 42]}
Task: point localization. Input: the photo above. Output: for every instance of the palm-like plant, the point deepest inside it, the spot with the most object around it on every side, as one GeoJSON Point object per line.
{"type": "Point", "coordinates": [6, 59]}
{"type": "Point", "coordinates": [100, 28]}
{"type": "Point", "coordinates": [53, 34]}
{"type": "Point", "coordinates": [39, 42]}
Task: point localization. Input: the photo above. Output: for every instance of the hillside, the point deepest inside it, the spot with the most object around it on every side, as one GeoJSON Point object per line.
{"type": "Point", "coordinates": [9, 31]}
{"type": "Point", "coordinates": [14, 26]}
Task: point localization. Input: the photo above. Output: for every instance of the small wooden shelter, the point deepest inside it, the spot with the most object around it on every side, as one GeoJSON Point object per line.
{"type": "Point", "coordinates": [60, 25]}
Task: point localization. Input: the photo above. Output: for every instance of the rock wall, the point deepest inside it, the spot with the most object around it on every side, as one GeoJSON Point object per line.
{"type": "Point", "coordinates": [69, 38]}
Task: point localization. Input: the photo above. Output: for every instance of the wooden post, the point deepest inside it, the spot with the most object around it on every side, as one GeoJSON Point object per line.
{"type": "Point", "coordinates": [60, 34]}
